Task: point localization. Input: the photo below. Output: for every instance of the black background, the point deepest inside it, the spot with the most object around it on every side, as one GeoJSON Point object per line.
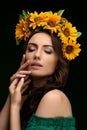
{"type": "Point", "coordinates": [10, 54]}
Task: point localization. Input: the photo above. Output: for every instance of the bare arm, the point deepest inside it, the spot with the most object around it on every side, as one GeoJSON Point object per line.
{"type": "Point", "coordinates": [4, 115]}
{"type": "Point", "coordinates": [16, 90]}
{"type": "Point", "coordinates": [16, 96]}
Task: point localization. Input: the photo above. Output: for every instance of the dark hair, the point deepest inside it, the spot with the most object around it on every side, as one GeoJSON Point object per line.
{"type": "Point", "coordinates": [57, 80]}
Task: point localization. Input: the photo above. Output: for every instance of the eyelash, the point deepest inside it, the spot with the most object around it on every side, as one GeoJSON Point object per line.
{"type": "Point", "coordinates": [48, 52]}
{"type": "Point", "coordinates": [32, 49]}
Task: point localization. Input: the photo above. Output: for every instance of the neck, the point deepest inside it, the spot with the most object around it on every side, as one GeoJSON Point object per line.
{"type": "Point", "coordinates": [39, 81]}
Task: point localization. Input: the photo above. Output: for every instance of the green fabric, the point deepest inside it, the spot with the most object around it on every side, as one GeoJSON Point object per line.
{"type": "Point", "coordinates": [40, 123]}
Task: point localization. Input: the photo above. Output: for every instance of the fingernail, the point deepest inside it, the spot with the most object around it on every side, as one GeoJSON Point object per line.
{"type": "Point", "coordinates": [22, 79]}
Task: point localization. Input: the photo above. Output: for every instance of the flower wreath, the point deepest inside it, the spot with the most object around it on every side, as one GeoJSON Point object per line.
{"type": "Point", "coordinates": [53, 22]}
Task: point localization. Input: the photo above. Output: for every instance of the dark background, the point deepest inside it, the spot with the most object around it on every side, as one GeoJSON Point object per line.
{"type": "Point", "coordinates": [10, 54]}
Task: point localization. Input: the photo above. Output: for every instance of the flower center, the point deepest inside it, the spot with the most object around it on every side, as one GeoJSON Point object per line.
{"type": "Point", "coordinates": [69, 49]}
{"type": "Point", "coordinates": [66, 32]}
{"type": "Point", "coordinates": [37, 19]}
{"type": "Point", "coordinates": [51, 23]}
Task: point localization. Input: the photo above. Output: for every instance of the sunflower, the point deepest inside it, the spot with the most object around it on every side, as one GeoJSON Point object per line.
{"type": "Point", "coordinates": [52, 22]}
{"type": "Point", "coordinates": [55, 23]}
{"type": "Point", "coordinates": [67, 32]}
{"type": "Point", "coordinates": [37, 20]}
{"type": "Point", "coordinates": [71, 50]}
{"type": "Point", "coordinates": [22, 31]}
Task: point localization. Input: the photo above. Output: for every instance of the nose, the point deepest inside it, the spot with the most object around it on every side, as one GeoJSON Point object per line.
{"type": "Point", "coordinates": [37, 54]}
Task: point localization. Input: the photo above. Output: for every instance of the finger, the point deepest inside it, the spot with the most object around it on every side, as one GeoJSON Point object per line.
{"type": "Point", "coordinates": [20, 74]}
{"type": "Point", "coordinates": [26, 83]}
{"type": "Point", "coordinates": [23, 72]}
{"type": "Point", "coordinates": [17, 76]}
{"type": "Point", "coordinates": [13, 85]}
{"type": "Point", "coordinates": [20, 84]}
{"type": "Point", "coordinates": [24, 65]}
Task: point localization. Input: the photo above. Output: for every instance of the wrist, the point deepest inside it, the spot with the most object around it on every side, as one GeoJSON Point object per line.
{"type": "Point", "coordinates": [14, 108]}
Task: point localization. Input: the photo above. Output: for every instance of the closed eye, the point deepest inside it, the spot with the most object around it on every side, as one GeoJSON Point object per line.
{"type": "Point", "coordinates": [31, 48]}
{"type": "Point", "coordinates": [48, 51]}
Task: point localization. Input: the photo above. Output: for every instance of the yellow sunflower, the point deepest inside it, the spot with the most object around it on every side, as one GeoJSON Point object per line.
{"type": "Point", "coordinates": [55, 23]}
{"type": "Point", "coordinates": [37, 19]}
{"type": "Point", "coordinates": [22, 31]}
{"type": "Point", "coordinates": [67, 32]}
{"type": "Point", "coordinates": [71, 50]}
{"type": "Point", "coordinates": [52, 22]}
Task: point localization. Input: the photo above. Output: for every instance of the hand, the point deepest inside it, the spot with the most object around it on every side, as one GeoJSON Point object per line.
{"type": "Point", "coordinates": [16, 90]}
{"type": "Point", "coordinates": [22, 72]}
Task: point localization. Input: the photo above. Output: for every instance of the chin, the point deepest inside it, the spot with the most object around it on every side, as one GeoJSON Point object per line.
{"type": "Point", "coordinates": [37, 75]}
{"type": "Point", "coordinates": [40, 75]}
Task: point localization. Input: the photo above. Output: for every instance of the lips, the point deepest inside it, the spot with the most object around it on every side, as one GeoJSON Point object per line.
{"type": "Point", "coordinates": [36, 64]}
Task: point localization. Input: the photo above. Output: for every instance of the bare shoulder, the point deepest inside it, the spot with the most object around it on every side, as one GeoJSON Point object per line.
{"type": "Point", "coordinates": [54, 104]}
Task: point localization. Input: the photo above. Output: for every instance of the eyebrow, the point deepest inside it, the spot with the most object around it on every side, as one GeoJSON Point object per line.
{"type": "Point", "coordinates": [47, 45]}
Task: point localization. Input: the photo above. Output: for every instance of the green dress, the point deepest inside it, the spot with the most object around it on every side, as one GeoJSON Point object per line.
{"type": "Point", "coordinates": [40, 123]}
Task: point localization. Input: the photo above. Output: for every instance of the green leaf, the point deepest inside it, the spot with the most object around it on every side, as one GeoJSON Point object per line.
{"type": "Point", "coordinates": [17, 41]}
{"type": "Point", "coordinates": [60, 12]}
{"type": "Point", "coordinates": [79, 34]}
{"type": "Point", "coordinates": [24, 14]}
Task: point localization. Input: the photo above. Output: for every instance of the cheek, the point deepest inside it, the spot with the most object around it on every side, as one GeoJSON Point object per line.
{"type": "Point", "coordinates": [28, 56]}
{"type": "Point", "coordinates": [51, 65]}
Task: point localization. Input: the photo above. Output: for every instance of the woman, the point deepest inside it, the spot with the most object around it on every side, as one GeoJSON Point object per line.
{"type": "Point", "coordinates": [36, 99]}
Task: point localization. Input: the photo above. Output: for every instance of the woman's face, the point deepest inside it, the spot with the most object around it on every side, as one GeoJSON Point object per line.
{"type": "Point", "coordinates": [40, 53]}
